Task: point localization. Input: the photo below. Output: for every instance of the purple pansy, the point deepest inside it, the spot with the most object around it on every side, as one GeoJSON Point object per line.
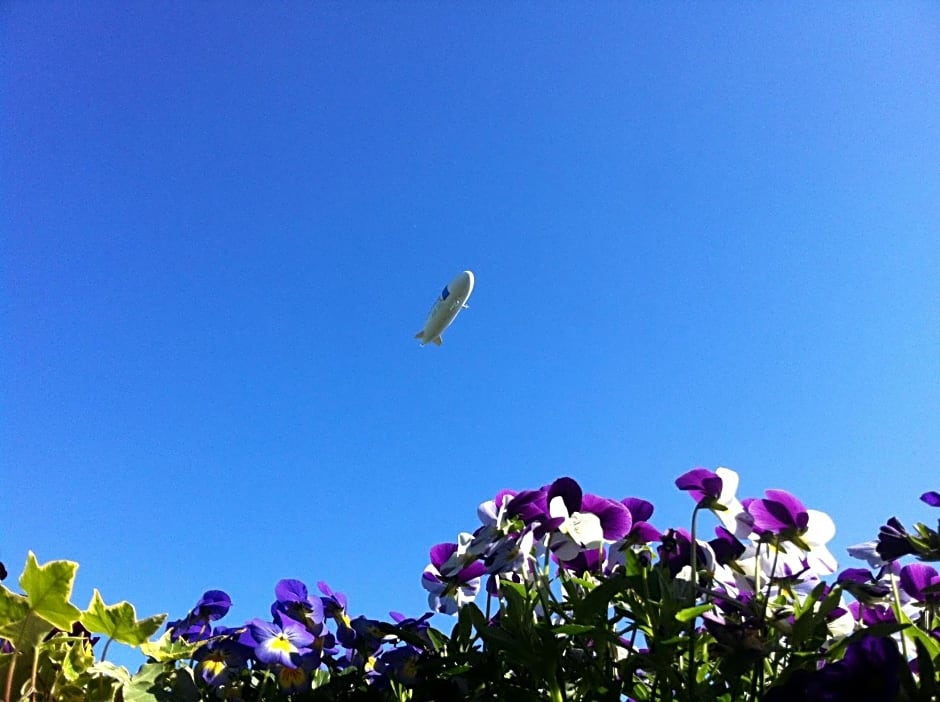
{"type": "Point", "coordinates": [921, 582]}
{"type": "Point", "coordinates": [702, 484]}
{"type": "Point", "coordinates": [335, 607]}
{"type": "Point", "coordinates": [586, 520]}
{"type": "Point", "coordinates": [294, 602]}
{"type": "Point", "coordinates": [675, 551]}
{"type": "Point", "coordinates": [197, 624]}
{"type": "Point", "coordinates": [931, 498]}
{"type": "Point", "coordinates": [221, 656]}
{"type": "Point", "coordinates": [281, 644]}
{"type": "Point", "coordinates": [641, 531]}
{"type": "Point", "coordinates": [726, 546]}
{"type": "Point", "coordinates": [892, 541]}
{"type": "Point", "coordinates": [867, 673]}
{"type": "Point", "coordinates": [862, 584]}
{"type": "Point", "coordinates": [447, 593]}
{"type": "Point", "coordinates": [778, 513]}
{"type": "Point", "coordinates": [528, 505]}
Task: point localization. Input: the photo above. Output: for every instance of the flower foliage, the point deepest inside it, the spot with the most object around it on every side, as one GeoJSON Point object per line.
{"type": "Point", "coordinates": [555, 594]}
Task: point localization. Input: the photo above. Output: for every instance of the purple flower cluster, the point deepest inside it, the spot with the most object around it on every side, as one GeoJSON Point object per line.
{"type": "Point", "coordinates": [306, 633]}
{"type": "Point", "coordinates": [556, 523]}
{"type": "Point", "coordinates": [763, 568]}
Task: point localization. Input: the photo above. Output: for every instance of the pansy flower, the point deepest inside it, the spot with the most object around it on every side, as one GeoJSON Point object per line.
{"type": "Point", "coordinates": [446, 593]}
{"type": "Point", "coordinates": [220, 657]}
{"type": "Point", "coordinates": [197, 624]}
{"type": "Point", "coordinates": [280, 644]}
{"type": "Point", "coordinates": [293, 601]}
{"type": "Point", "coordinates": [335, 607]}
{"type": "Point", "coordinates": [782, 515]}
{"type": "Point", "coordinates": [702, 484]}
{"type": "Point", "coordinates": [641, 531]}
{"type": "Point", "coordinates": [932, 498]}
{"type": "Point", "coordinates": [921, 582]}
{"type": "Point", "coordinates": [585, 521]}
{"type": "Point", "coordinates": [893, 541]}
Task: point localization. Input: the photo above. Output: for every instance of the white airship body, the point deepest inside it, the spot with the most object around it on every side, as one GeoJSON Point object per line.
{"type": "Point", "coordinates": [452, 299]}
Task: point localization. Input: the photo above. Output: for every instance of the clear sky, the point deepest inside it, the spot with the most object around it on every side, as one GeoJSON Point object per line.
{"type": "Point", "coordinates": [702, 235]}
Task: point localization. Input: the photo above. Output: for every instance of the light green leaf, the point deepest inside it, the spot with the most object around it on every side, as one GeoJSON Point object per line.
{"type": "Point", "coordinates": [164, 650]}
{"type": "Point", "coordinates": [48, 589]}
{"type": "Point", "coordinates": [18, 624]}
{"type": "Point", "coordinates": [107, 669]}
{"type": "Point", "coordinates": [13, 607]}
{"type": "Point", "coordinates": [144, 686]}
{"type": "Point", "coordinates": [690, 613]}
{"type": "Point", "coordinates": [119, 621]}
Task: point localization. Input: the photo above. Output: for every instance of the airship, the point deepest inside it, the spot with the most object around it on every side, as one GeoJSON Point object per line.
{"type": "Point", "coordinates": [452, 299]}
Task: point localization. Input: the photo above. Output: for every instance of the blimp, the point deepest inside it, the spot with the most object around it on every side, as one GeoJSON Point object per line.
{"type": "Point", "coordinates": [452, 299]}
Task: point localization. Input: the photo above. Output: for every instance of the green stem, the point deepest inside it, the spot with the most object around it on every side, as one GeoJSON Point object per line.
{"type": "Point", "coordinates": [104, 651]}
{"type": "Point", "coordinates": [9, 686]}
{"type": "Point", "coordinates": [693, 558]}
{"type": "Point", "coordinates": [897, 608]}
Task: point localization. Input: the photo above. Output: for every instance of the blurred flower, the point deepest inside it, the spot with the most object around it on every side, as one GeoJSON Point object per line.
{"type": "Point", "coordinates": [292, 680]}
{"type": "Point", "coordinates": [867, 673]}
{"type": "Point", "coordinates": [401, 664]}
{"type": "Point", "coordinates": [219, 658]}
{"type": "Point", "coordinates": [868, 552]}
{"type": "Point", "coordinates": [862, 584]}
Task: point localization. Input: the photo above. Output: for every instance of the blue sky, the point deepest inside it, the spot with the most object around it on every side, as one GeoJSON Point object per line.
{"type": "Point", "coordinates": [702, 235]}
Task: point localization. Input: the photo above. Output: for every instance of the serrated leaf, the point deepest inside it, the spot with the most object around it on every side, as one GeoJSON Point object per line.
{"type": "Point", "coordinates": [48, 590]}
{"type": "Point", "coordinates": [164, 649]}
{"type": "Point", "coordinates": [119, 621]}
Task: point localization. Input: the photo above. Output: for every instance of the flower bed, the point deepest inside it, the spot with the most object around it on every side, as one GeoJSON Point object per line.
{"type": "Point", "coordinates": [558, 594]}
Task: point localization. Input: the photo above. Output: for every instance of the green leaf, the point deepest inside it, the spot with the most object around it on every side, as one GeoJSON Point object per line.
{"type": "Point", "coordinates": [18, 623]}
{"type": "Point", "coordinates": [598, 600]}
{"type": "Point", "coordinates": [13, 607]}
{"type": "Point", "coordinates": [48, 589]}
{"type": "Point", "coordinates": [144, 686]}
{"type": "Point", "coordinates": [573, 629]}
{"type": "Point", "coordinates": [164, 649]}
{"type": "Point", "coordinates": [690, 613]}
{"type": "Point", "coordinates": [119, 621]}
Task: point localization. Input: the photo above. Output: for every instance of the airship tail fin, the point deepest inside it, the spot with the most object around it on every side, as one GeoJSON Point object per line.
{"type": "Point", "coordinates": [420, 335]}
{"type": "Point", "coordinates": [438, 341]}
